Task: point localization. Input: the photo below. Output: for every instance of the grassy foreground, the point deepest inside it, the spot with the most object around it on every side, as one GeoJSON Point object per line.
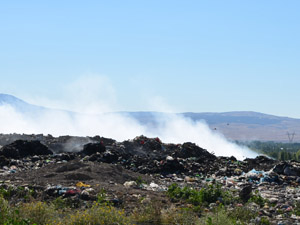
{"type": "Point", "coordinates": [208, 206]}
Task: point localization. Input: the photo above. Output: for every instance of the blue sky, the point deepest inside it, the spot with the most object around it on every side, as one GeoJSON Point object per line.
{"type": "Point", "coordinates": [195, 56]}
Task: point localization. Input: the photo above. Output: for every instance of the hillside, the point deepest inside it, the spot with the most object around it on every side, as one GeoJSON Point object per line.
{"type": "Point", "coordinates": [242, 126]}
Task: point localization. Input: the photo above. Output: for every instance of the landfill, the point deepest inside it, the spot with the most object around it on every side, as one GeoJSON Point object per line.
{"type": "Point", "coordinates": [79, 168]}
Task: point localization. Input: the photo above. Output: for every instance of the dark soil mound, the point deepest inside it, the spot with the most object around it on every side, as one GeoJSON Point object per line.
{"type": "Point", "coordinates": [142, 146]}
{"type": "Point", "coordinates": [92, 148]}
{"type": "Point", "coordinates": [20, 149]}
{"type": "Point", "coordinates": [78, 176]}
{"type": "Point", "coordinates": [70, 167]}
{"type": "Point", "coordinates": [260, 163]}
{"type": "Point", "coordinates": [189, 150]}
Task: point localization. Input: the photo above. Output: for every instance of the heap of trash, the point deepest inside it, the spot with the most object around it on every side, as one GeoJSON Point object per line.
{"type": "Point", "coordinates": [79, 168]}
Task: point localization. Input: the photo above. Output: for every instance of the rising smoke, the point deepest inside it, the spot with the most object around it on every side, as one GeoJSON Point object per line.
{"type": "Point", "coordinates": [90, 121]}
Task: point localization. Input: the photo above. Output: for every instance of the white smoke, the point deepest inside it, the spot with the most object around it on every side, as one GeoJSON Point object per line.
{"type": "Point", "coordinates": [180, 129]}
{"type": "Point", "coordinates": [89, 96]}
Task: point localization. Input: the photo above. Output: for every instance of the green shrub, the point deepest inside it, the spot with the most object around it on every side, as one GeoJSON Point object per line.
{"type": "Point", "coordinates": [256, 198]}
{"type": "Point", "coordinates": [10, 215]}
{"type": "Point", "coordinates": [264, 221]}
{"type": "Point", "coordinates": [243, 214]}
{"type": "Point", "coordinates": [101, 196]}
{"type": "Point", "coordinates": [296, 210]}
{"type": "Point", "coordinates": [218, 217]}
{"type": "Point", "coordinates": [4, 209]}
{"type": "Point", "coordinates": [204, 196]}
{"type": "Point", "coordinates": [59, 203]}
{"type": "Point", "coordinates": [140, 181]}
{"type": "Point", "coordinates": [6, 193]}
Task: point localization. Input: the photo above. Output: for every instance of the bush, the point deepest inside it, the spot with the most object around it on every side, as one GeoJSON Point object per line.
{"type": "Point", "coordinates": [101, 196]}
{"type": "Point", "coordinates": [243, 214]}
{"type": "Point", "coordinates": [9, 215]}
{"type": "Point", "coordinates": [204, 196]}
{"type": "Point", "coordinates": [4, 209]}
{"type": "Point", "coordinates": [264, 221]}
{"type": "Point", "coordinates": [6, 193]}
{"type": "Point", "coordinates": [97, 214]}
{"type": "Point", "coordinates": [61, 212]}
{"type": "Point", "coordinates": [140, 181]}
{"type": "Point", "coordinates": [42, 213]}
{"type": "Point", "coordinates": [148, 214]}
{"type": "Point", "coordinates": [183, 216]}
{"type": "Point", "coordinates": [37, 212]}
{"type": "Point", "coordinates": [218, 217]}
{"type": "Point", "coordinates": [296, 210]}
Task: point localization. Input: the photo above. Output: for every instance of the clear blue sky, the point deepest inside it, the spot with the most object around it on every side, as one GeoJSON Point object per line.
{"type": "Point", "coordinates": [195, 55]}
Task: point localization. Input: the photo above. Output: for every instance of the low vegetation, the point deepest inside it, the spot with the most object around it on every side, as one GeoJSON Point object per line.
{"type": "Point", "coordinates": [202, 197]}
{"type": "Point", "coordinates": [276, 150]}
{"type": "Point", "coordinates": [208, 205]}
{"type": "Point", "coordinates": [40, 213]}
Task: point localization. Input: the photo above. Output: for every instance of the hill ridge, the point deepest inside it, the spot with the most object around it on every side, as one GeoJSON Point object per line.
{"type": "Point", "coordinates": [234, 125]}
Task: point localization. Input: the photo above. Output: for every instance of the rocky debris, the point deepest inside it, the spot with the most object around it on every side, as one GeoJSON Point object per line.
{"type": "Point", "coordinates": [20, 149]}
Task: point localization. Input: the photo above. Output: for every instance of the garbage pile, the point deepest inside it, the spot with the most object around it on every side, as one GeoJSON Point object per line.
{"type": "Point", "coordinates": [20, 149]}
{"type": "Point", "coordinates": [143, 155]}
{"type": "Point", "coordinates": [80, 167]}
{"type": "Point", "coordinates": [150, 155]}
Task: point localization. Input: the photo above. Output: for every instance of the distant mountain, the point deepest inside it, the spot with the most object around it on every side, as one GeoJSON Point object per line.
{"type": "Point", "coordinates": [242, 126]}
{"type": "Point", "coordinates": [247, 126]}
{"type": "Point", "coordinates": [236, 117]}
{"type": "Point", "coordinates": [26, 108]}
{"type": "Point", "coordinates": [20, 105]}
{"type": "Point", "coordinates": [244, 117]}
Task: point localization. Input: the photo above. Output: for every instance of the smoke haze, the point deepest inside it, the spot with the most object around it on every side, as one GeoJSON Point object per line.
{"type": "Point", "coordinates": [91, 100]}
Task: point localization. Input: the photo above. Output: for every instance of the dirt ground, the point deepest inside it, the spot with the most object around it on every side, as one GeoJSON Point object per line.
{"type": "Point", "coordinates": [100, 176]}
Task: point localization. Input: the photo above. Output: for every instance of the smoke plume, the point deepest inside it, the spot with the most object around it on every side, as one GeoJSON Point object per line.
{"type": "Point", "coordinates": [90, 120]}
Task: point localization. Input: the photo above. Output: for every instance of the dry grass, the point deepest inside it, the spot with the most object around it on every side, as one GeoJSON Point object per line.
{"type": "Point", "coordinates": [42, 213]}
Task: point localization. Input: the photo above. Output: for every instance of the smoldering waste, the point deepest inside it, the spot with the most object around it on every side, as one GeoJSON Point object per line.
{"type": "Point", "coordinates": [79, 168]}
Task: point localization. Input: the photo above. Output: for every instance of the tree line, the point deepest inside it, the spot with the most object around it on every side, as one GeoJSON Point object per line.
{"type": "Point", "coordinates": [276, 150]}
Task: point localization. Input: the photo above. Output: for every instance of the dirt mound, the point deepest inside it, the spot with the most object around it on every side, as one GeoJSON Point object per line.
{"type": "Point", "coordinates": [70, 167]}
{"type": "Point", "coordinates": [78, 176]}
